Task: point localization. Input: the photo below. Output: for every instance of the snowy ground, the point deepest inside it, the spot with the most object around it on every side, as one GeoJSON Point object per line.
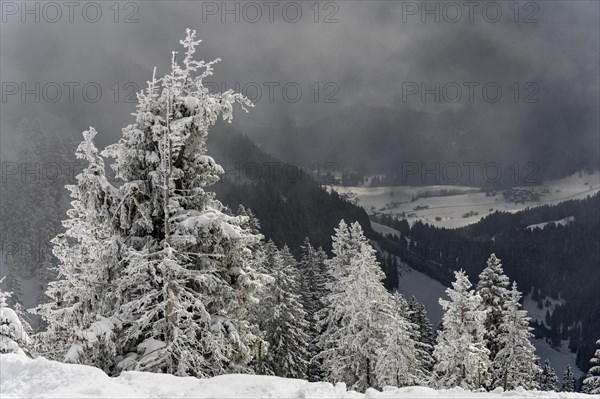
{"type": "Point", "coordinates": [466, 205]}
{"type": "Point", "coordinates": [384, 230]}
{"type": "Point", "coordinates": [41, 378]}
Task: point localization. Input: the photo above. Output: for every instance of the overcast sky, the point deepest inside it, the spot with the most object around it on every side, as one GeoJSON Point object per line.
{"type": "Point", "coordinates": [359, 54]}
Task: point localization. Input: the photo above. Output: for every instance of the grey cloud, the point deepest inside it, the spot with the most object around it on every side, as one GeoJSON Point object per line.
{"type": "Point", "coordinates": [368, 54]}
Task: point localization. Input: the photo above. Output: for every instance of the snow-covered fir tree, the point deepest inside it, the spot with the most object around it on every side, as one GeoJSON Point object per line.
{"type": "Point", "coordinates": [281, 317]}
{"type": "Point", "coordinates": [493, 289]}
{"type": "Point", "coordinates": [14, 330]}
{"type": "Point", "coordinates": [462, 358]}
{"type": "Point", "coordinates": [88, 262]}
{"type": "Point", "coordinates": [252, 223]}
{"type": "Point", "coordinates": [423, 336]}
{"type": "Point", "coordinates": [591, 384]}
{"type": "Point", "coordinates": [184, 279]}
{"type": "Point", "coordinates": [358, 314]}
{"type": "Point", "coordinates": [313, 289]}
{"type": "Point", "coordinates": [187, 280]}
{"type": "Point", "coordinates": [548, 378]}
{"type": "Point", "coordinates": [516, 362]}
{"type": "Point", "coordinates": [568, 380]}
{"type": "Point", "coordinates": [400, 361]}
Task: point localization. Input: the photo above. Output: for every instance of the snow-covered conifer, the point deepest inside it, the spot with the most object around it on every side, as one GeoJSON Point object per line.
{"type": "Point", "coordinates": [400, 361]}
{"type": "Point", "coordinates": [493, 289]}
{"type": "Point", "coordinates": [187, 281]}
{"type": "Point", "coordinates": [423, 335]}
{"type": "Point", "coordinates": [548, 378]}
{"type": "Point", "coordinates": [516, 362]}
{"type": "Point", "coordinates": [462, 358]}
{"type": "Point", "coordinates": [568, 380]}
{"type": "Point", "coordinates": [281, 317]}
{"type": "Point", "coordinates": [313, 289]}
{"type": "Point", "coordinates": [13, 331]}
{"type": "Point", "coordinates": [88, 254]}
{"type": "Point", "coordinates": [591, 384]}
{"type": "Point", "coordinates": [357, 312]}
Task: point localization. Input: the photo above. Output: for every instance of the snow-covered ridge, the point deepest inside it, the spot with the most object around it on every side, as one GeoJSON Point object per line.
{"type": "Point", "coordinates": [40, 378]}
{"type": "Point", "coordinates": [561, 222]}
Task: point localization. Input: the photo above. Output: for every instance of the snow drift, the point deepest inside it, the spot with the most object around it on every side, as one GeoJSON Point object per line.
{"type": "Point", "coordinates": [22, 377]}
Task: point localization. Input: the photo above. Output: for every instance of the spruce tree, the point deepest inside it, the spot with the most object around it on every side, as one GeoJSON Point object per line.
{"type": "Point", "coordinates": [313, 289]}
{"type": "Point", "coordinates": [281, 317]}
{"type": "Point", "coordinates": [423, 334]}
{"type": "Point", "coordinates": [187, 280]}
{"type": "Point", "coordinates": [358, 311]}
{"type": "Point", "coordinates": [591, 384]}
{"type": "Point", "coordinates": [14, 331]}
{"type": "Point", "coordinates": [400, 360]}
{"type": "Point", "coordinates": [462, 359]}
{"type": "Point", "coordinates": [568, 381]}
{"type": "Point", "coordinates": [516, 362]}
{"type": "Point", "coordinates": [548, 378]}
{"type": "Point", "coordinates": [88, 262]}
{"type": "Point", "coordinates": [493, 289]}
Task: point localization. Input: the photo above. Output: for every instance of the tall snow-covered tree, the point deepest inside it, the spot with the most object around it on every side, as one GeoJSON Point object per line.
{"type": "Point", "coordinates": [516, 362]}
{"type": "Point", "coordinates": [462, 358]}
{"type": "Point", "coordinates": [14, 336]}
{"type": "Point", "coordinates": [357, 312]}
{"type": "Point", "coordinates": [493, 289]}
{"type": "Point", "coordinates": [568, 380]}
{"type": "Point", "coordinates": [400, 359]}
{"type": "Point", "coordinates": [591, 384]}
{"type": "Point", "coordinates": [313, 289]}
{"type": "Point", "coordinates": [281, 317]}
{"type": "Point", "coordinates": [423, 335]}
{"type": "Point", "coordinates": [548, 378]}
{"type": "Point", "coordinates": [187, 281]}
{"type": "Point", "coordinates": [88, 261]}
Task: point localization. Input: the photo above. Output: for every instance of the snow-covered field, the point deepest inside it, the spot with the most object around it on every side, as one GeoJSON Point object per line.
{"type": "Point", "coordinates": [22, 377]}
{"type": "Point", "coordinates": [457, 206]}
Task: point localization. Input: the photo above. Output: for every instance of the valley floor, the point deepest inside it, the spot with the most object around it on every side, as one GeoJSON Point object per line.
{"type": "Point", "coordinates": [22, 377]}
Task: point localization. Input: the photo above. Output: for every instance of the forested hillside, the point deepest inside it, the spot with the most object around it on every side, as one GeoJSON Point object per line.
{"type": "Point", "coordinates": [552, 262]}
{"type": "Point", "coordinates": [289, 203]}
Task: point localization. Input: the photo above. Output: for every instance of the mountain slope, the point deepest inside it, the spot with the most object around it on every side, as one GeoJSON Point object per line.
{"type": "Point", "coordinates": [288, 202]}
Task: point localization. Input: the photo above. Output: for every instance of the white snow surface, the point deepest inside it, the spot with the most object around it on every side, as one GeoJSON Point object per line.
{"type": "Point", "coordinates": [384, 230]}
{"type": "Point", "coordinates": [458, 206]}
{"type": "Point", "coordinates": [40, 378]}
{"type": "Point", "coordinates": [561, 222]}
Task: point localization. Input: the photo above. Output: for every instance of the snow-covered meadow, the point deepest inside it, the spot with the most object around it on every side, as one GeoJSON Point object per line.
{"type": "Point", "coordinates": [40, 378]}
{"type": "Point", "coordinates": [457, 206]}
